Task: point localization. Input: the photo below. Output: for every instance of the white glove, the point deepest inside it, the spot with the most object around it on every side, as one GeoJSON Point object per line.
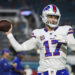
{"type": "Point", "coordinates": [61, 38]}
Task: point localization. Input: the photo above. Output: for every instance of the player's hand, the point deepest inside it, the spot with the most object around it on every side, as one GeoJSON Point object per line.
{"type": "Point", "coordinates": [10, 30]}
{"type": "Point", "coordinates": [14, 65]}
{"type": "Point", "coordinates": [61, 38]}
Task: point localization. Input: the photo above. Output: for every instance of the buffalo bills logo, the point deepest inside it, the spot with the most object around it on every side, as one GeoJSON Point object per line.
{"type": "Point", "coordinates": [47, 7]}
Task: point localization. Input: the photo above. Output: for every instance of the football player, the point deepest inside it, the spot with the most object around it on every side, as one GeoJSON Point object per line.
{"type": "Point", "coordinates": [52, 41]}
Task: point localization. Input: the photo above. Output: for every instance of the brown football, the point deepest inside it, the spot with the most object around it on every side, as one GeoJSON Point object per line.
{"type": "Point", "coordinates": [5, 25]}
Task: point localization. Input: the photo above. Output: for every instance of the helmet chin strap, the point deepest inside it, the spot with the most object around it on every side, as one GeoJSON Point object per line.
{"type": "Point", "coordinates": [51, 25]}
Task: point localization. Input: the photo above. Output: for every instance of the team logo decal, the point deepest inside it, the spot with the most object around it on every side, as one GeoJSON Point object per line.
{"type": "Point", "coordinates": [47, 8]}
{"type": "Point", "coordinates": [42, 37]}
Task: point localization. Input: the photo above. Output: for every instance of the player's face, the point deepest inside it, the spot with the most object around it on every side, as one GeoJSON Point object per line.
{"type": "Point", "coordinates": [21, 56]}
{"type": "Point", "coordinates": [6, 54]}
{"type": "Point", "coordinates": [52, 19]}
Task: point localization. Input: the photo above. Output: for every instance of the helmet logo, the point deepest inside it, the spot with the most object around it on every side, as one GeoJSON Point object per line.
{"type": "Point", "coordinates": [46, 8]}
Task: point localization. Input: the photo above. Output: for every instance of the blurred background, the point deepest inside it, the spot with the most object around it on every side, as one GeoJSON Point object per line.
{"type": "Point", "coordinates": [25, 16]}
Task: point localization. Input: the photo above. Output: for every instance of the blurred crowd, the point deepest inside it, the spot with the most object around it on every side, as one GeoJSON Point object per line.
{"type": "Point", "coordinates": [16, 67]}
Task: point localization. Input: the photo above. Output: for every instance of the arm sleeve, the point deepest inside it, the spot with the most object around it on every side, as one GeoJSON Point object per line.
{"type": "Point", "coordinates": [28, 45]}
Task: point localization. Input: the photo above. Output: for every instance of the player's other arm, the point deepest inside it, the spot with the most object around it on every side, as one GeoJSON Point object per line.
{"type": "Point", "coordinates": [70, 39]}
{"type": "Point", "coordinates": [71, 42]}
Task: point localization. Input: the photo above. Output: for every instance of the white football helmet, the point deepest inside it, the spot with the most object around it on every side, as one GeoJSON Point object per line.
{"type": "Point", "coordinates": [50, 10]}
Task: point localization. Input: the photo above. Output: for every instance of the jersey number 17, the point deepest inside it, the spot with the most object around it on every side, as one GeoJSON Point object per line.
{"type": "Point", "coordinates": [57, 49]}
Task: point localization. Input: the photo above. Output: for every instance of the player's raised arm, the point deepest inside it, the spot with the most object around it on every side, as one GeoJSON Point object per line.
{"type": "Point", "coordinates": [28, 45]}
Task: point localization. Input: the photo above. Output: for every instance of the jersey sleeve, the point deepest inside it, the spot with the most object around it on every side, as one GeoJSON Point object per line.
{"type": "Point", "coordinates": [70, 31]}
{"type": "Point", "coordinates": [70, 39]}
{"type": "Point", "coordinates": [71, 42]}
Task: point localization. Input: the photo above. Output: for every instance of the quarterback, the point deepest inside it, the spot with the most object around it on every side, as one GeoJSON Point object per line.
{"type": "Point", "coordinates": [52, 41]}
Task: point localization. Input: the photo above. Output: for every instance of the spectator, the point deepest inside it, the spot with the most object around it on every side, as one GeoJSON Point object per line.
{"type": "Point", "coordinates": [18, 69]}
{"type": "Point", "coordinates": [4, 66]}
{"type": "Point", "coordinates": [28, 70]}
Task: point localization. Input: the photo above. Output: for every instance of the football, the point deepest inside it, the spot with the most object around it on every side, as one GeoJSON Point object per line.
{"type": "Point", "coordinates": [5, 25]}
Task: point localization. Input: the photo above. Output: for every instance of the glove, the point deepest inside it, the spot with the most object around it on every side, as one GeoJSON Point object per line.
{"type": "Point", "coordinates": [61, 38]}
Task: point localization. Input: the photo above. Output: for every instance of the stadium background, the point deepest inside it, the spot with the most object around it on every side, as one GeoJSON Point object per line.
{"type": "Point", "coordinates": [25, 15]}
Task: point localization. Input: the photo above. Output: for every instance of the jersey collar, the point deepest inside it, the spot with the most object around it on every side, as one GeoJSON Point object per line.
{"type": "Point", "coordinates": [46, 30]}
{"type": "Point", "coordinates": [55, 28]}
